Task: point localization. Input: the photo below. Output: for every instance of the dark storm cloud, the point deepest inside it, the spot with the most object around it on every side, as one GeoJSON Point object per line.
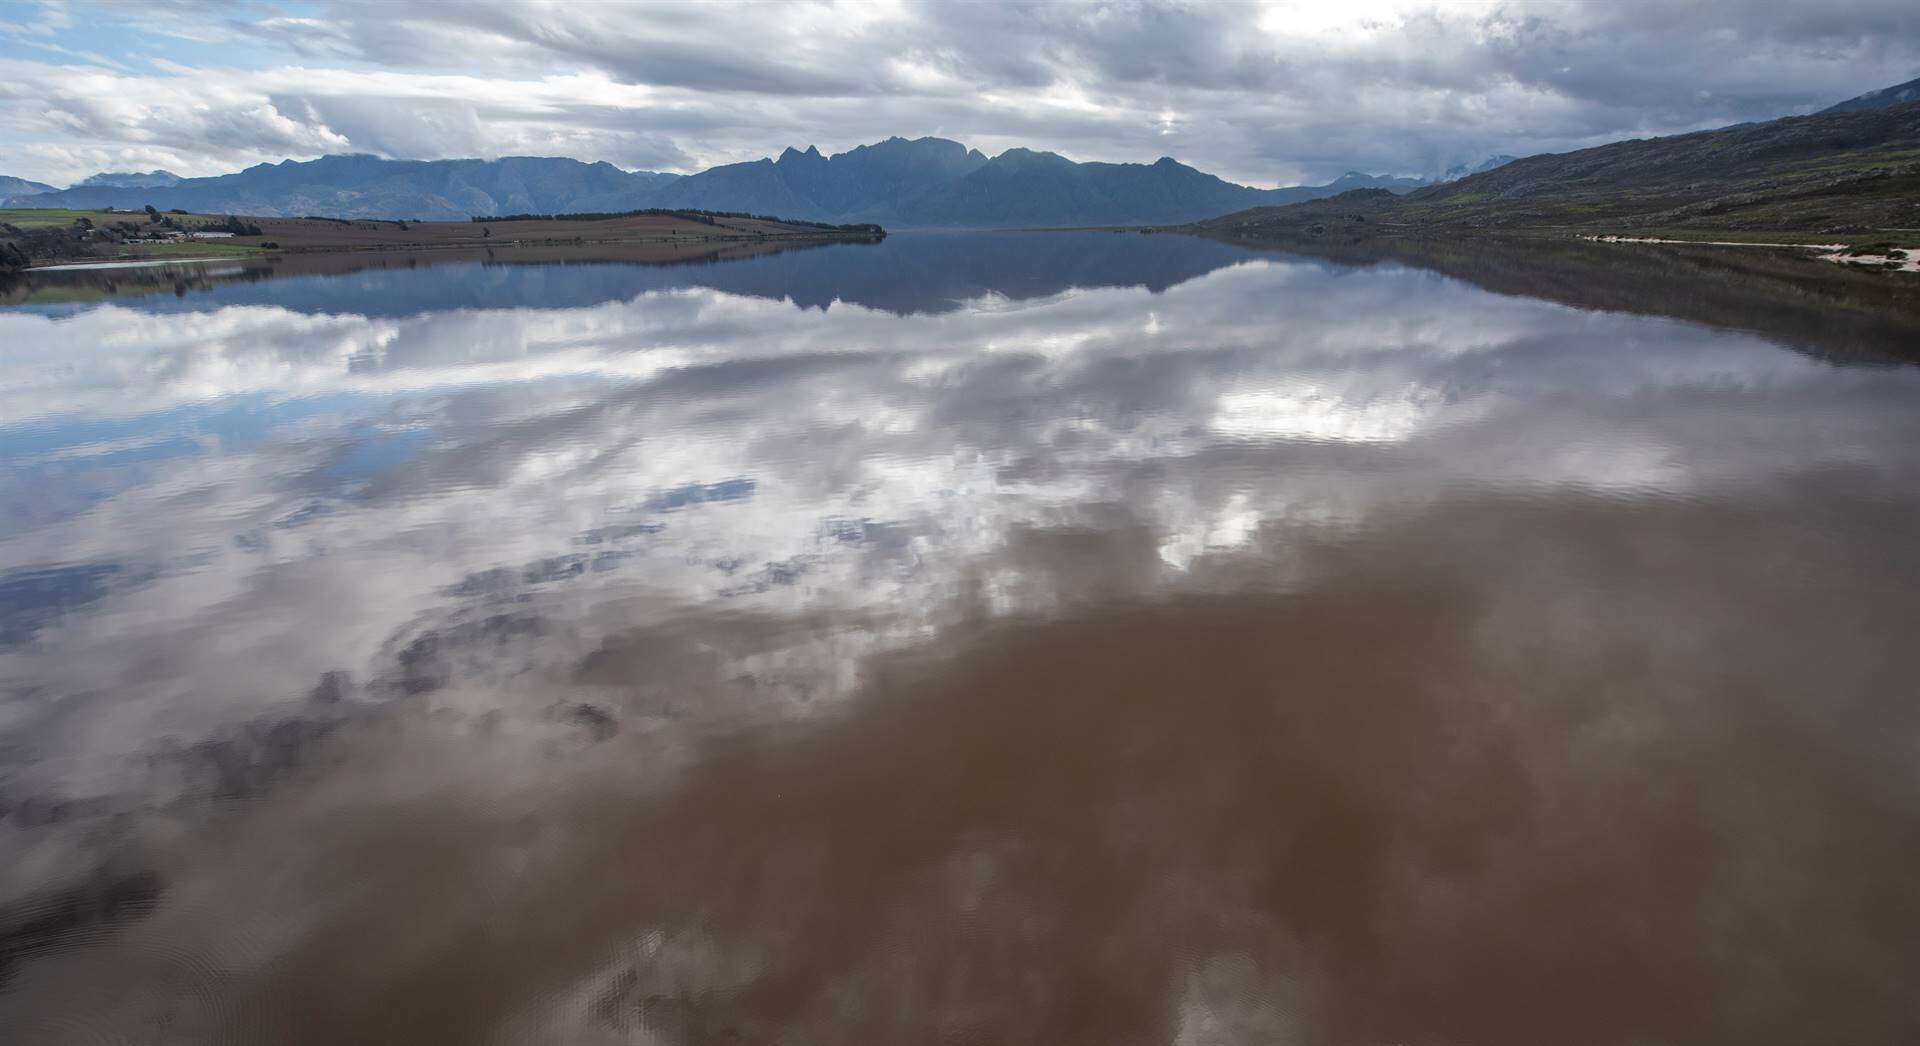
{"type": "Point", "coordinates": [1262, 93]}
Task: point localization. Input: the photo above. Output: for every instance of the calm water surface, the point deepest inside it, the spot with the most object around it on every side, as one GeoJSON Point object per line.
{"type": "Point", "coordinates": [1000, 639]}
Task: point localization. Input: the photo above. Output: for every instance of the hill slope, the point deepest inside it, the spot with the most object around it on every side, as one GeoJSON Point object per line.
{"type": "Point", "coordinates": [22, 188]}
{"type": "Point", "coordinates": [1898, 94]}
{"type": "Point", "coordinates": [1849, 170]}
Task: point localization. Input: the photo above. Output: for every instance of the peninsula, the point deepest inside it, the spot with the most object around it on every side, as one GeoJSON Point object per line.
{"type": "Point", "coordinates": [36, 237]}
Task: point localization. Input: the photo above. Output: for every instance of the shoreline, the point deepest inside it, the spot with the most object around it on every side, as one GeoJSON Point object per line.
{"type": "Point", "coordinates": [136, 277]}
{"type": "Point", "coordinates": [135, 263]}
{"type": "Point", "coordinates": [129, 242]}
{"type": "Point", "coordinates": [1872, 251]}
{"type": "Point", "coordinates": [82, 262]}
{"type": "Point", "coordinates": [1890, 259]}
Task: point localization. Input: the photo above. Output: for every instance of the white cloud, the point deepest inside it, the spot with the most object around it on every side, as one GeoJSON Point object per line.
{"type": "Point", "coordinates": [1264, 93]}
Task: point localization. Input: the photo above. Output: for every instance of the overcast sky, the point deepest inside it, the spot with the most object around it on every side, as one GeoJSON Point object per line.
{"type": "Point", "coordinates": [1262, 93]}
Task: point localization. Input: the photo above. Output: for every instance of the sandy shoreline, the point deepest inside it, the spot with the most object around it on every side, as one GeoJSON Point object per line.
{"type": "Point", "coordinates": [141, 263]}
{"type": "Point", "coordinates": [1909, 261]}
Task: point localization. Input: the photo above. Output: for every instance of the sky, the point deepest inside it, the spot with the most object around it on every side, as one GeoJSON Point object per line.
{"type": "Point", "coordinates": [1261, 93]}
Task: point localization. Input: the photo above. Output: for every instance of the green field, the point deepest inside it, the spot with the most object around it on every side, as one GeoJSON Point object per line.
{"type": "Point", "coordinates": [41, 217]}
{"type": "Point", "coordinates": [27, 218]}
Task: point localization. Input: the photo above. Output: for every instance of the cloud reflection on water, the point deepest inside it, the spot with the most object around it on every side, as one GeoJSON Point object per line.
{"type": "Point", "coordinates": [512, 571]}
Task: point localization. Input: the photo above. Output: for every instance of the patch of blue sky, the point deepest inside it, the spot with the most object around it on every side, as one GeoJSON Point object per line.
{"type": "Point", "coordinates": [374, 455]}
{"type": "Point", "coordinates": [215, 36]}
{"type": "Point", "coordinates": [237, 423]}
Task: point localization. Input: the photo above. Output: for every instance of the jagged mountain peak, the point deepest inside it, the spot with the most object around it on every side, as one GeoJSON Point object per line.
{"type": "Point", "coordinates": [897, 143]}
{"type": "Point", "coordinates": [1021, 154]}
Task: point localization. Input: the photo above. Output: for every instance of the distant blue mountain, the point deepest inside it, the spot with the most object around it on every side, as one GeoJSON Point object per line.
{"type": "Point", "coordinates": [1461, 170]}
{"type": "Point", "coordinates": [20, 188]}
{"type": "Point", "coordinates": [129, 180]}
{"type": "Point", "coordinates": [936, 183]}
{"type": "Point", "coordinates": [370, 187]}
{"type": "Point", "coordinates": [923, 183]}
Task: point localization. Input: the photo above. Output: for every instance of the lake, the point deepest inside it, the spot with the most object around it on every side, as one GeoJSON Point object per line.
{"type": "Point", "coordinates": [999, 638]}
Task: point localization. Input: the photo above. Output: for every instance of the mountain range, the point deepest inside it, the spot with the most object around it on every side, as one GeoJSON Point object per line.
{"type": "Point", "coordinates": [370, 187]}
{"type": "Point", "coordinates": [922, 183]}
{"type": "Point", "coordinates": [936, 183]}
{"type": "Point", "coordinates": [1855, 155]}
{"type": "Point", "coordinates": [1851, 168]}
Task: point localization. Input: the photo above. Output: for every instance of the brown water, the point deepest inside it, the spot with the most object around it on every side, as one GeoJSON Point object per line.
{"type": "Point", "coordinates": [1037, 639]}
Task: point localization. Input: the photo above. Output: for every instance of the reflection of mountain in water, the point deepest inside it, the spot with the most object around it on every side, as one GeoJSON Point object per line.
{"type": "Point", "coordinates": [907, 274]}
{"type": "Point", "coordinates": [1814, 306]}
